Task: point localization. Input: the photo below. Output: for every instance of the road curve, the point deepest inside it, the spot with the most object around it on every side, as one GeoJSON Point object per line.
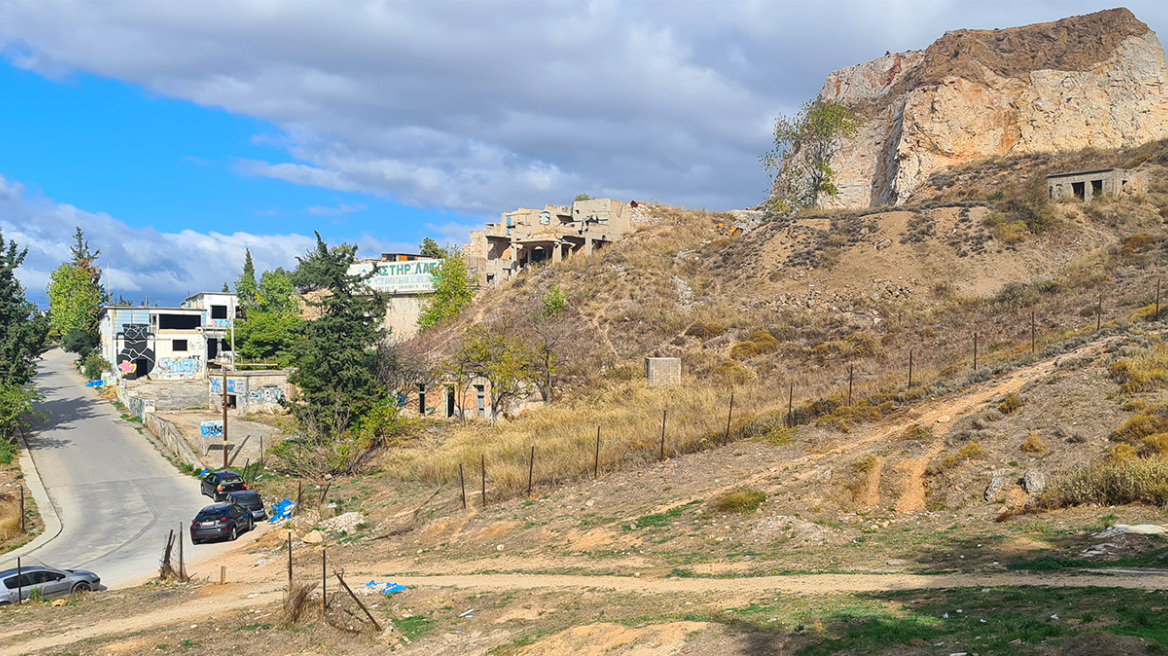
{"type": "Point", "coordinates": [115, 495]}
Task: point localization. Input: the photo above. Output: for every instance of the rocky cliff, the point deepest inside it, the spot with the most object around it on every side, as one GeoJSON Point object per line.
{"type": "Point", "coordinates": [1098, 80]}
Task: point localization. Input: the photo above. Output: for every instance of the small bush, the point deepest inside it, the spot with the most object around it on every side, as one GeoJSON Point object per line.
{"type": "Point", "coordinates": [93, 366]}
{"type": "Point", "coordinates": [1035, 444]}
{"type": "Point", "coordinates": [971, 451]}
{"type": "Point", "coordinates": [7, 451]}
{"type": "Point", "coordinates": [844, 417]}
{"type": "Point", "coordinates": [705, 329]}
{"type": "Point", "coordinates": [743, 500]}
{"type": "Point", "coordinates": [1136, 244]}
{"type": "Point", "coordinates": [983, 419]}
{"type": "Point", "coordinates": [1154, 445]}
{"type": "Point", "coordinates": [1147, 422]}
{"type": "Point", "coordinates": [760, 342]}
{"type": "Point", "coordinates": [732, 372]}
{"type": "Point", "coordinates": [1122, 453]}
{"type": "Point", "coordinates": [916, 432]}
{"type": "Point", "coordinates": [1144, 373]}
{"type": "Point", "coordinates": [1009, 404]}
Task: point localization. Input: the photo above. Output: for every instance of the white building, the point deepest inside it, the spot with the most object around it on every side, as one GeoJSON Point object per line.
{"type": "Point", "coordinates": [168, 343]}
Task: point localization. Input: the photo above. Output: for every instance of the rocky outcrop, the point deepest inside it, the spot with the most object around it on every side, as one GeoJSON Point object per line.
{"type": "Point", "coordinates": [1098, 80]}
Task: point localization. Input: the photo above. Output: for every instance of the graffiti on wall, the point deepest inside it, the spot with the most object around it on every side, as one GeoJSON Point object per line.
{"type": "Point", "coordinates": [211, 428]}
{"type": "Point", "coordinates": [234, 385]}
{"type": "Point", "coordinates": [185, 367]}
{"type": "Point", "coordinates": [271, 395]}
{"type": "Point", "coordinates": [135, 351]}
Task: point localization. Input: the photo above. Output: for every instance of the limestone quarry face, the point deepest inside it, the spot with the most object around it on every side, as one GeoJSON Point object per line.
{"type": "Point", "coordinates": [1098, 80]}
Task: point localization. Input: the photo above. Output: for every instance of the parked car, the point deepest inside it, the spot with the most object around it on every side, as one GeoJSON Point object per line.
{"type": "Point", "coordinates": [252, 501]}
{"type": "Point", "coordinates": [40, 580]}
{"type": "Point", "coordinates": [217, 485]}
{"type": "Point", "coordinates": [221, 520]}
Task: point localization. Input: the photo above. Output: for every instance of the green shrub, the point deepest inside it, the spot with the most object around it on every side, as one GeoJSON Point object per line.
{"type": "Point", "coordinates": [7, 451]}
{"type": "Point", "coordinates": [742, 500]}
{"type": "Point", "coordinates": [93, 366]}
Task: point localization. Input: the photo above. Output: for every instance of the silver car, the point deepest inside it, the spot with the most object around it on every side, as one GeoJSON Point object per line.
{"type": "Point", "coordinates": [41, 581]}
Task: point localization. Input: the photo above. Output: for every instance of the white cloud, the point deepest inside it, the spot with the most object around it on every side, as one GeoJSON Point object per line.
{"type": "Point", "coordinates": [142, 262]}
{"type": "Point", "coordinates": [499, 104]}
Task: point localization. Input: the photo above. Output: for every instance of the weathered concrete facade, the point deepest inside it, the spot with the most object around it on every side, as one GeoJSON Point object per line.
{"type": "Point", "coordinates": [526, 236]}
{"type": "Point", "coordinates": [1085, 185]}
{"type": "Point", "coordinates": [404, 279]}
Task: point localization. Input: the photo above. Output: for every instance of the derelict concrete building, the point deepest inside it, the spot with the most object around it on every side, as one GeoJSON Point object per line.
{"type": "Point", "coordinates": [1085, 185]}
{"type": "Point", "coordinates": [526, 236]}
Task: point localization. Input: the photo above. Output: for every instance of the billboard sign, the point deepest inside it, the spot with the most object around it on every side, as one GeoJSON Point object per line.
{"type": "Point", "coordinates": [411, 277]}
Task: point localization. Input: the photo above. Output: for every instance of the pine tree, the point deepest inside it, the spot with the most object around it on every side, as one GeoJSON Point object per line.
{"type": "Point", "coordinates": [23, 330]}
{"type": "Point", "coordinates": [245, 285]}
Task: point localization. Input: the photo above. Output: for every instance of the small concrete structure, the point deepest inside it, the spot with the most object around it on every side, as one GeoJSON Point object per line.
{"type": "Point", "coordinates": [663, 371]}
{"type": "Point", "coordinates": [1085, 185]}
{"type": "Point", "coordinates": [249, 391]}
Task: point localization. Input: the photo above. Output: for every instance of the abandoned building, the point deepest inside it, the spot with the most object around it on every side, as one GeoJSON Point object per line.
{"type": "Point", "coordinates": [404, 279]}
{"type": "Point", "coordinates": [167, 343]}
{"type": "Point", "coordinates": [1085, 185]}
{"type": "Point", "coordinates": [525, 236]}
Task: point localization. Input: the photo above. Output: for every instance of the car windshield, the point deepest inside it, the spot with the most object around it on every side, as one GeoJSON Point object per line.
{"type": "Point", "coordinates": [231, 480]}
{"type": "Point", "coordinates": [217, 513]}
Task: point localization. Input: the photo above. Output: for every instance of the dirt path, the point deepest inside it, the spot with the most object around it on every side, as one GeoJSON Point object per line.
{"type": "Point", "coordinates": [212, 601]}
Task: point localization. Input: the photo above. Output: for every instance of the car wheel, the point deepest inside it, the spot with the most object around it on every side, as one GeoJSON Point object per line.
{"type": "Point", "coordinates": [234, 533]}
{"type": "Point", "coordinates": [83, 586]}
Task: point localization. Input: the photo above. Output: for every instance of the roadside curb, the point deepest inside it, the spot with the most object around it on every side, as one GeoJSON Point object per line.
{"type": "Point", "coordinates": [45, 506]}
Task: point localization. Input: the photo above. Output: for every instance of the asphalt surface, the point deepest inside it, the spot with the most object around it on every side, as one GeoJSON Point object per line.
{"type": "Point", "coordinates": [114, 493]}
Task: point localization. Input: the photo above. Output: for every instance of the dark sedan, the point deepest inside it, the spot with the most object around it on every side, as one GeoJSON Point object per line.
{"type": "Point", "coordinates": [221, 520]}
{"type": "Point", "coordinates": [41, 581]}
{"type": "Point", "coordinates": [218, 485]}
{"type": "Point", "coordinates": [252, 501]}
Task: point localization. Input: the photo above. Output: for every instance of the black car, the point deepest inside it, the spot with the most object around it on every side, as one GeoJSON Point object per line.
{"type": "Point", "coordinates": [221, 520]}
{"type": "Point", "coordinates": [218, 484]}
{"type": "Point", "coordinates": [252, 501]}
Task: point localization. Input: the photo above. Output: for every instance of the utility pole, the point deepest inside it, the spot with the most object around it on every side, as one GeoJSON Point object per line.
{"type": "Point", "coordinates": [224, 417]}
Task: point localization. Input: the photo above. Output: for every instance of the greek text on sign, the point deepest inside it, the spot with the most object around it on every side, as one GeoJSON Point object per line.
{"type": "Point", "coordinates": [412, 277]}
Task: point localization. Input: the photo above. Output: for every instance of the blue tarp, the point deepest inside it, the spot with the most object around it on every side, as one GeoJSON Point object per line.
{"type": "Point", "coordinates": [385, 588]}
{"type": "Point", "coordinates": [281, 511]}
{"type": "Point", "coordinates": [94, 383]}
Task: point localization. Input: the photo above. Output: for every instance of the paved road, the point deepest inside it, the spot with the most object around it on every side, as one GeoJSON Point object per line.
{"type": "Point", "coordinates": [115, 494]}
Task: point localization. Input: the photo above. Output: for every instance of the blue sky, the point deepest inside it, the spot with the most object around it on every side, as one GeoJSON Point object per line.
{"type": "Point", "coordinates": [177, 134]}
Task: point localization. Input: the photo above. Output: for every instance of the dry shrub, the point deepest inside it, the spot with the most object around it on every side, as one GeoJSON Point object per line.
{"type": "Point", "coordinates": [1149, 421]}
{"type": "Point", "coordinates": [733, 372]}
{"type": "Point", "coordinates": [1113, 483]}
{"type": "Point", "coordinates": [1009, 404]}
{"type": "Point", "coordinates": [916, 432]}
{"type": "Point", "coordinates": [741, 500]}
{"type": "Point", "coordinates": [1154, 445]}
{"type": "Point", "coordinates": [1136, 244]}
{"type": "Point", "coordinates": [296, 603]}
{"type": "Point", "coordinates": [860, 344]}
{"type": "Point", "coordinates": [843, 417]}
{"type": "Point", "coordinates": [705, 329]}
{"type": "Point", "coordinates": [1035, 444]}
{"type": "Point", "coordinates": [760, 342]}
{"type": "Point", "coordinates": [1144, 373]}
{"type": "Point", "coordinates": [1122, 453]}
{"type": "Point", "coordinates": [9, 526]}
{"type": "Point", "coordinates": [983, 419]}
{"type": "Point", "coordinates": [971, 451]}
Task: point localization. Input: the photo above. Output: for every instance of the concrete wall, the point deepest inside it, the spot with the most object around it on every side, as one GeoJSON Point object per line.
{"type": "Point", "coordinates": [1087, 184]}
{"type": "Point", "coordinates": [401, 316]}
{"type": "Point", "coordinates": [663, 371]}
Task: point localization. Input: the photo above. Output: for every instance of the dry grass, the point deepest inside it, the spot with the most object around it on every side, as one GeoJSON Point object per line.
{"type": "Point", "coordinates": [1114, 483]}
{"type": "Point", "coordinates": [296, 604]}
{"type": "Point", "coordinates": [1034, 444]}
{"type": "Point", "coordinates": [629, 417]}
{"type": "Point", "coordinates": [1145, 423]}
